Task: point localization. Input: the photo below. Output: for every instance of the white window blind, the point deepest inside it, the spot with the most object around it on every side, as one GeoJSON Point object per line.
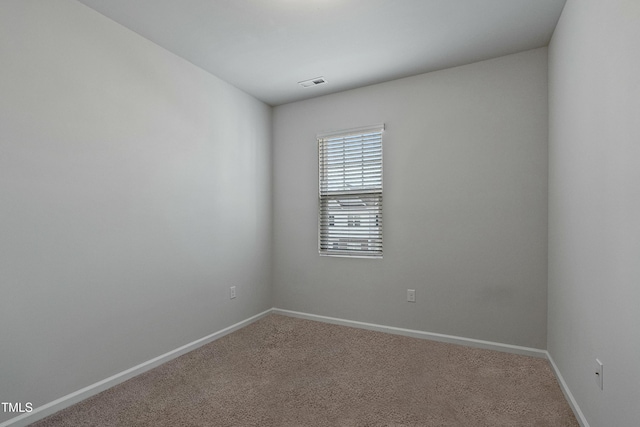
{"type": "Point", "coordinates": [350, 196]}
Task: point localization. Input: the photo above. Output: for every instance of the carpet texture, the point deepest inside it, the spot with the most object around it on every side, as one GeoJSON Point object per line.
{"type": "Point", "coordinates": [284, 371]}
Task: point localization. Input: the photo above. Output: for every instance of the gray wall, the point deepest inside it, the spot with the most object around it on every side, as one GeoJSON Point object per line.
{"type": "Point", "coordinates": [594, 206]}
{"type": "Point", "coordinates": [134, 190]}
{"type": "Point", "coordinates": [465, 203]}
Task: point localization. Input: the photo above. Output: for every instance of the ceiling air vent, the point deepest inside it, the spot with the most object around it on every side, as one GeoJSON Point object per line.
{"type": "Point", "coordinates": [313, 82]}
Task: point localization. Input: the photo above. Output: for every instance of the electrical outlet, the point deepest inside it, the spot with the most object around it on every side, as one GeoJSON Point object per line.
{"type": "Point", "coordinates": [411, 295]}
{"type": "Point", "coordinates": [232, 292]}
{"type": "Point", "coordinates": [599, 373]}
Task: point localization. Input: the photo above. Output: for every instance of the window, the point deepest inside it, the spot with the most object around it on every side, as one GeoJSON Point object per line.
{"type": "Point", "coordinates": [350, 193]}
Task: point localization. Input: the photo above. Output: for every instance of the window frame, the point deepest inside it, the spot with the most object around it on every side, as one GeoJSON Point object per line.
{"type": "Point", "coordinates": [370, 197]}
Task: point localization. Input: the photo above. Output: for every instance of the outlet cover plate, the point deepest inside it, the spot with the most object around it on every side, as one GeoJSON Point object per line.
{"type": "Point", "coordinates": [411, 295]}
{"type": "Point", "coordinates": [599, 373]}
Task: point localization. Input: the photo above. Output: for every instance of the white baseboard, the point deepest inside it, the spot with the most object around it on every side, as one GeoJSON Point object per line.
{"type": "Point", "coordinates": [77, 396]}
{"type": "Point", "coordinates": [567, 393]}
{"type": "Point", "coordinates": [469, 342]}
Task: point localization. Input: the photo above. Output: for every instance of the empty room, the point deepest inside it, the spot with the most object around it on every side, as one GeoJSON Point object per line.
{"type": "Point", "coordinates": [320, 213]}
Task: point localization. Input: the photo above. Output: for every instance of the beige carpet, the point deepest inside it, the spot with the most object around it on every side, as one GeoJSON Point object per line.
{"type": "Point", "coordinates": [283, 371]}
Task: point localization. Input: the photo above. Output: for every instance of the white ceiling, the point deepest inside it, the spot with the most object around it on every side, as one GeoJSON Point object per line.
{"type": "Point", "coordinates": [265, 47]}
